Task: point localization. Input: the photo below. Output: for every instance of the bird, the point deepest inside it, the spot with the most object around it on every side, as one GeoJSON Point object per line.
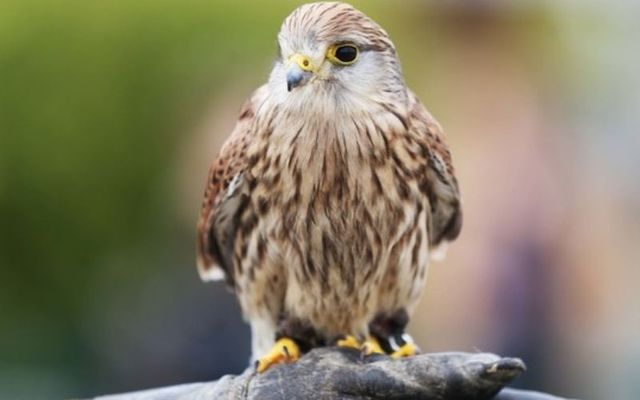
{"type": "Point", "coordinates": [331, 195]}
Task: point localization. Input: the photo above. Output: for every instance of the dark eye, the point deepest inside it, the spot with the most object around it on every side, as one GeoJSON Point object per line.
{"type": "Point", "coordinates": [346, 53]}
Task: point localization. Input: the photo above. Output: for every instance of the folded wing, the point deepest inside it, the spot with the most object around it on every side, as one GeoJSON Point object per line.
{"type": "Point", "coordinates": [439, 182]}
{"type": "Point", "coordinates": [225, 197]}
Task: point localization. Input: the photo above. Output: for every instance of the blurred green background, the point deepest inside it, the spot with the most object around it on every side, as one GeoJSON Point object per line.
{"type": "Point", "coordinates": [110, 113]}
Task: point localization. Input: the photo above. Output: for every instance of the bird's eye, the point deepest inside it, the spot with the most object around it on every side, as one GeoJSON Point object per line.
{"type": "Point", "coordinates": [347, 53]}
{"type": "Point", "coordinates": [343, 54]}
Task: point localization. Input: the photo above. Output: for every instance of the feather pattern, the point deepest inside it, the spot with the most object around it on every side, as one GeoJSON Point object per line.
{"type": "Point", "coordinates": [224, 198]}
{"type": "Point", "coordinates": [327, 201]}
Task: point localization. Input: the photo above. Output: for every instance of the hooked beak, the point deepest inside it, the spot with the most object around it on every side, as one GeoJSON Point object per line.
{"type": "Point", "coordinates": [300, 70]}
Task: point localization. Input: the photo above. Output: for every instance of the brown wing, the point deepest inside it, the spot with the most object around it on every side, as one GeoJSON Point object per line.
{"type": "Point", "coordinates": [225, 197]}
{"type": "Point", "coordinates": [439, 182]}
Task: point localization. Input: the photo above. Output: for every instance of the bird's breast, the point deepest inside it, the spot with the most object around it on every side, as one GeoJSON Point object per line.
{"type": "Point", "coordinates": [319, 180]}
{"type": "Point", "coordinates": [329, 201]}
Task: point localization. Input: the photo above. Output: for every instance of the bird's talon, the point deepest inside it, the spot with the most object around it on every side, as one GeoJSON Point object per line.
{"type": "Point", "coordinates": [371, 346]}
{"type": "Point", "coordinates": [368, 347]}
{"type": "Point", "coordinates": [407, 350]}
{"type": "Point", "coordinates": [349, 342]}
{"type": "Point", "coordinates": [285, 350]}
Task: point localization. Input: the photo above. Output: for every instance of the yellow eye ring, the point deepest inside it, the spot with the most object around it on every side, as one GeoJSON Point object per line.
{"type": "Point", "coordinates": [343, 54]}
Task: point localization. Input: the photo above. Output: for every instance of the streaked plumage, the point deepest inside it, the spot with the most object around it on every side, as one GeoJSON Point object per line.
{"type": "Point", "coordinates": [326, 201]}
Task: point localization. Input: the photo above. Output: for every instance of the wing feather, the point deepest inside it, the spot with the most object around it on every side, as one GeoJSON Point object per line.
{"type": "Point", "coordinates": [439, 182]}
{"type": "Point", "coordinates": [225, 197]}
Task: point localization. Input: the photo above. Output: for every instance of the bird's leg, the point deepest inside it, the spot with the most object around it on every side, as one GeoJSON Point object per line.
{"type": "Point", "coordinates": [293, 338]}
{"type": "Point", "coordinates": [390, 331]}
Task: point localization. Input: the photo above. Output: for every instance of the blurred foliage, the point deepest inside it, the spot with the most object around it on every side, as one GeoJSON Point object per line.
{"type": "Point", "coordinates": [93, 98]}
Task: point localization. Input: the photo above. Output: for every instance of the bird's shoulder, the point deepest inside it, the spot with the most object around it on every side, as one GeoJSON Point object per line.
{"type": "Point", "coordinates": [426, 127]}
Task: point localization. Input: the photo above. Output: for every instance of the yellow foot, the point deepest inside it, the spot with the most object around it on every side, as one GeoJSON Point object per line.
{"type": "Point", "coordinates": [285, 350]}
{"type": "Point", "coordinates": [350, 342]}
{"type": "Point", "coordinates": [408, 349]}
{"type": "Point", "coordinates": [368, 347]}
{"type": "Point", "coordinates": [371, 346]}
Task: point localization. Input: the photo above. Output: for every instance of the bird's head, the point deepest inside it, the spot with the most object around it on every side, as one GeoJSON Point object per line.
{"type": "Point", "coordinates": [332, 49]}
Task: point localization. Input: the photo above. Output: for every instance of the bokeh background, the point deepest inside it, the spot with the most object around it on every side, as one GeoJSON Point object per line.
{"type": "Point", "coordinates": [110, 112]}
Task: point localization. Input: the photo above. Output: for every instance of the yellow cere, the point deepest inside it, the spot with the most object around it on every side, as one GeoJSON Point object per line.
{"type": "Point", "coordinates": [304, 62]}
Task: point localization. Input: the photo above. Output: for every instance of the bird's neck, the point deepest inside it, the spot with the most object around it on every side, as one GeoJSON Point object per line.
{"type": "Point", "coordinates": [326, 140]}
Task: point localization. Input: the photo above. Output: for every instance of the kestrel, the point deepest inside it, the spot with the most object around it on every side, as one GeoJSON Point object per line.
{"type": "Point", "coordinates": [331, 195]}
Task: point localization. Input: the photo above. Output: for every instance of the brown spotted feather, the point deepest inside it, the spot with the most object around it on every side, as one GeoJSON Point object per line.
{"type": "Point", "coordinates": [326, 203]}
{"type": "Point", "coordinates": [215, 240]}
